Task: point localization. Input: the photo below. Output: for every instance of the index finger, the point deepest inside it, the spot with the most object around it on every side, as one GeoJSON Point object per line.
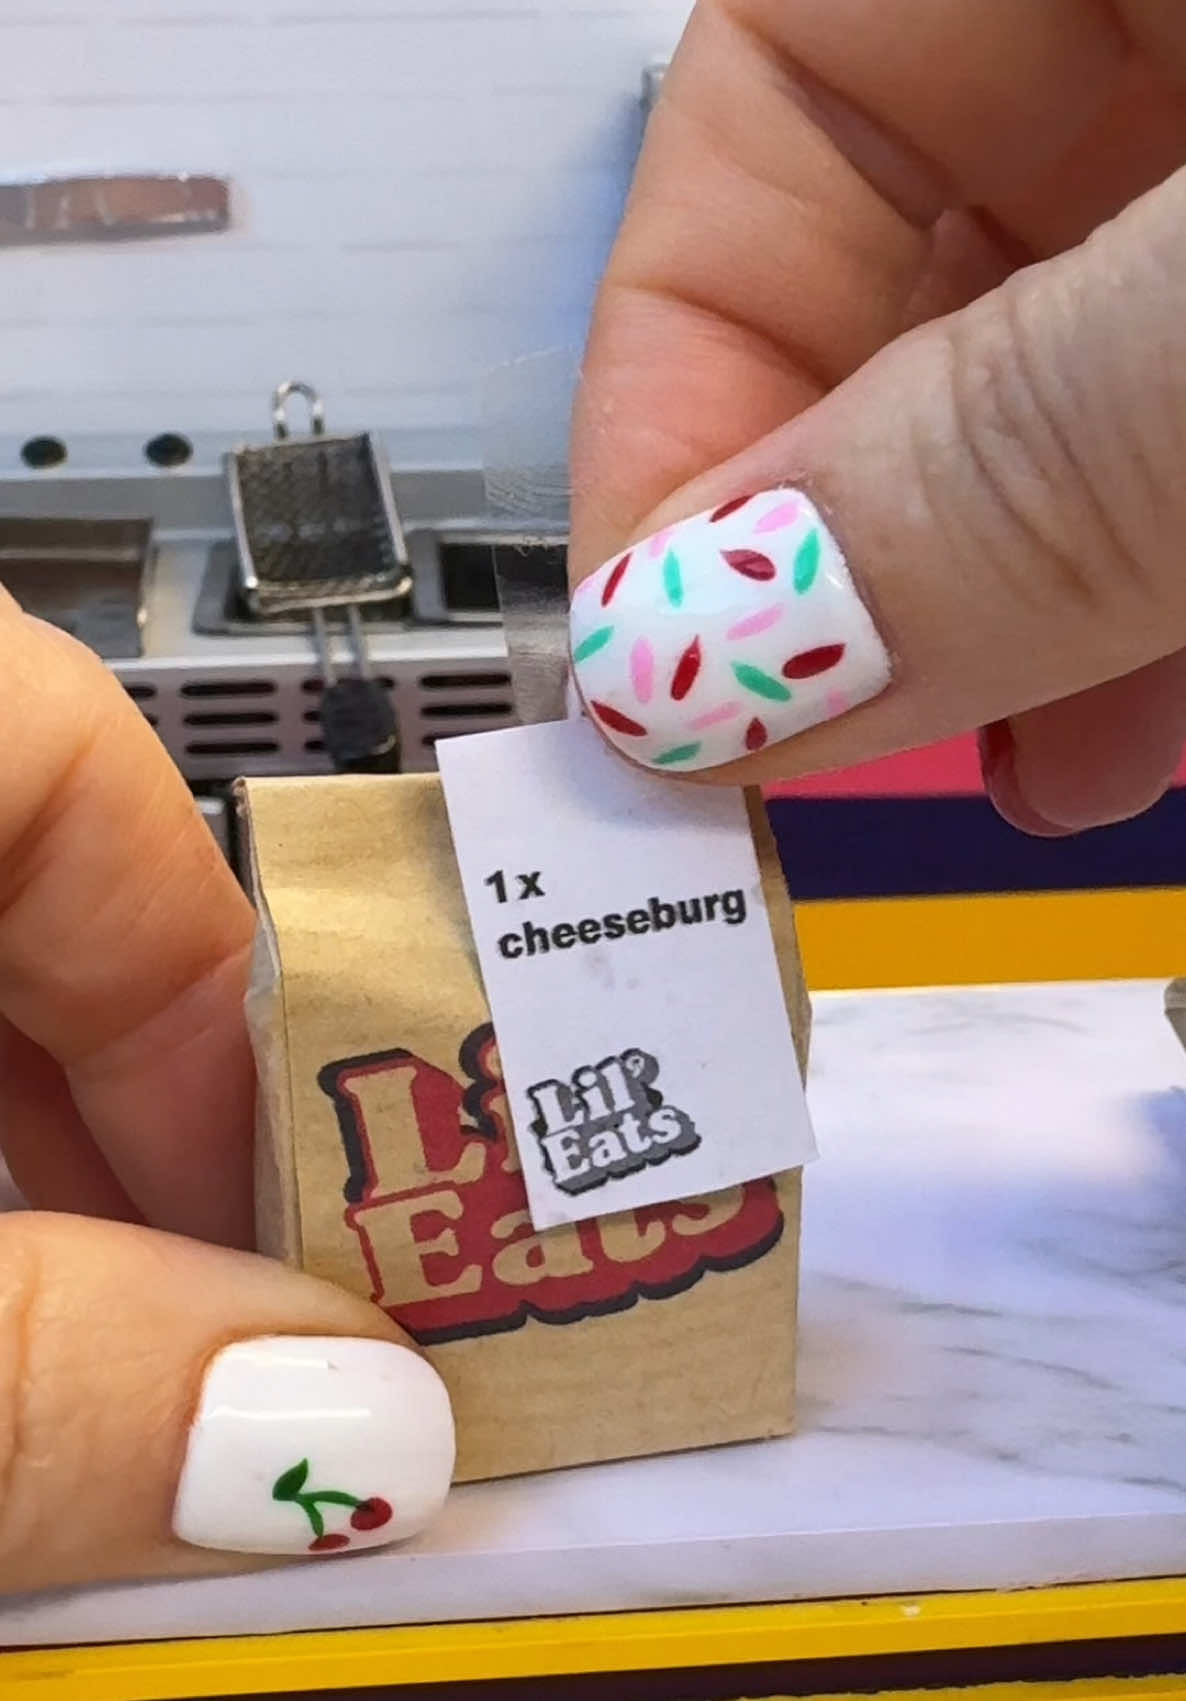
{"type": "Point", "coordinates": [783, 222]}
{"type": "Point", "coordinates": [124, 937]}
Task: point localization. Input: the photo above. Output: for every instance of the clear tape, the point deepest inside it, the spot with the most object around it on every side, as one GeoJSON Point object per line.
{"type": "Point", "coordinates": [526, 406]}
{"type": "Point", "coordinates": [525, 413]}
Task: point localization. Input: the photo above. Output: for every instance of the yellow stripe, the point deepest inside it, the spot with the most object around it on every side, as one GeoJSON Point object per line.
{"type": "Point", "coordinates": [615, 1642]}
{"type": "Point", "coordinates": [1081, 1689]}
{"type": "Point", "coordinates": [991, 938]}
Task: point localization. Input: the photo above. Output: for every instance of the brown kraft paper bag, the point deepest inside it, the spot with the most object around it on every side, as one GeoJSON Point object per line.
{"type": "Point", "coordinates": [385, 1161]}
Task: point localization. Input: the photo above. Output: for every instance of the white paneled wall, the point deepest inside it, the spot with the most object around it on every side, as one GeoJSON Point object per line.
{"type": "Point", "coordinates": [420, 191]}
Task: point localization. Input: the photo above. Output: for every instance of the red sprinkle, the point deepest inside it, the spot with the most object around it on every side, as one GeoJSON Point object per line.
{"type": "Point", "coordinates": [614, 580]}
{"type": "Point", "coordinates": [750, 563]}
{"type": "Point", "coordinates": [755, 734]}
{"type": "Point", "coordinates": [617, 721]}
{"type": "Point", "coordinates": [329, 1544]}
{"type": "Point", "coordinates": [810, 662]}
{"type": "Point", "coordinates": [686, 669]}
{"type": "Point", "coordinates": [729, 507]}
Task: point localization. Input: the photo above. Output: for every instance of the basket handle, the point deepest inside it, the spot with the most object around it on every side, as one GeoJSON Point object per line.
{"type": "Point", "coordinates": [294, 387]}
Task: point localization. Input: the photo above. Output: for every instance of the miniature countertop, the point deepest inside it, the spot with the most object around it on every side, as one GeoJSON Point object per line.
{"type": "Point", "coordinates": [992, 1370]}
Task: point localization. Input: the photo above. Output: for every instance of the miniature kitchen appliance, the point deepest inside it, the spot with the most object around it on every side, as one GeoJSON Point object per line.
{"type": "Point", "coordinates": [317, 530]}
{"type": "Point", "coordinates": [143, 567]}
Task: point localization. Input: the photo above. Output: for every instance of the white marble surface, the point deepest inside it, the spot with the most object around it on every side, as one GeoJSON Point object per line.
{"type": "Point", "coordinates": [993, 1369]}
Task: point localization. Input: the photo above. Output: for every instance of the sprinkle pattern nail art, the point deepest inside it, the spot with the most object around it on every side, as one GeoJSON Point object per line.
{"type": "Point", "coordinates": [774, 519]}
{"type": "Point", "coordinates": [715, 717]}
{"type": "Point", "coordinates": [752, 678]}
{"type": "Point", "coordinates": [642, 669]}
{"type": "Point", "coordinates": [810, 662]}
{"type": "Point", "coordinates": [751, 563]}
{"type": "Point", "coordinates": [616, 721]}
{"type": "Point", "coordinates": [724, 634]}
{"type": "Point", "coordinates": [680, 753]}
{"type": "Point", "coordinates": [673, 579]}
{"type": "Point", "coordinates": [686, 670]}
{"type": "Point", "coordinates": [616, 575]}
{"type": "Point", "coordinates": [594, 642]}
{"type": "Point", "coordinates": [755, 623]}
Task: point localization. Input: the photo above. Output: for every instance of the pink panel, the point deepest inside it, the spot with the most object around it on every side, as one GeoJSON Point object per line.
{"type": "Point", "coordinates": [946, 769]}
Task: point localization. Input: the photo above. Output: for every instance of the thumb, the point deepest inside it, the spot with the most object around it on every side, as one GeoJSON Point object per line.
{"type": "Point", "coordinates": [159, 1397]}
{"type": "Point", "coordinates": [985, 518]}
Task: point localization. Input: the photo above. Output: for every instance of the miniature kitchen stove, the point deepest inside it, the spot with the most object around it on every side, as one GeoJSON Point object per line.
{"type": "Point", "coordinates": [144, 570]}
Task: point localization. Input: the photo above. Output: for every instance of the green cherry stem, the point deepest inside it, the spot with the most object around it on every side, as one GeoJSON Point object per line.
{"type": "Point", "coordinates": [290, 1486]}
{"type": "Point", "coordinates": [309, 1504]}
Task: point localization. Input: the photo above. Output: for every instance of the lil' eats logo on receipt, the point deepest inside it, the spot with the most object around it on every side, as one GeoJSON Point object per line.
{"type": "Point", "coordinates": [609, 1120]}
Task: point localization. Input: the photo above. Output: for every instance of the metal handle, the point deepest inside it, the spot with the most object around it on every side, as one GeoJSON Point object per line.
{"type": "Point", "coordinates": [280, 395]}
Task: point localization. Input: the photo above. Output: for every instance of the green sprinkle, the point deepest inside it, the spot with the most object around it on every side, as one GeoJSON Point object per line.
{"type": "Point", "coordinates": [807, 562]}
{"type": "Point", "coordinates": [680, 753]}
{"type": "Point", "coordinates": [595, 641]}
{"type": "Point", "coordinates": [673, 579]}
{"type": "Point", "coordinates": [761, 684]}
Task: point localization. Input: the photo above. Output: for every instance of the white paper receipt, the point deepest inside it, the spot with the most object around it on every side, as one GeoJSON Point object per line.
{"type": "Point", "coordinates": [630, 970]}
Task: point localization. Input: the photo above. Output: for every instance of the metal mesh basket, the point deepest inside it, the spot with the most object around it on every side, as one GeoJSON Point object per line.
{"type": "Point", "coordinates": [314, 518]}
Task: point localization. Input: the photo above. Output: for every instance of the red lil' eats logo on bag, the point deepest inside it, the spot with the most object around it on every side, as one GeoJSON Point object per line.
{"type": "Point", "coordinates": [437, 1201]}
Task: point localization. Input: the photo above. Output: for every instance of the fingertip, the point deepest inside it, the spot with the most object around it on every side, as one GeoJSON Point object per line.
{"type": "Point", "coordinates": [998, 769]}
{"type": "Point", "coordinates": [198, 1377]}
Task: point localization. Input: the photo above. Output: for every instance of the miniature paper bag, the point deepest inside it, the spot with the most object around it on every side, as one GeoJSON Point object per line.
{"type": "Point", "coordinates": [386, 1163]}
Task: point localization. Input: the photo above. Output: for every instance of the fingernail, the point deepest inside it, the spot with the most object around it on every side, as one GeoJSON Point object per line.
{"type": "Point", "coordinates": [998, 770]}
{"type": "Point", "coordinates": [730, 631]}
{"type": "Point", "coordinates": [310, 1444]}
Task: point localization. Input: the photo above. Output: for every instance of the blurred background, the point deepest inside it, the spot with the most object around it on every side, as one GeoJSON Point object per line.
{"type": "Point", "coordinates": [387, 200]}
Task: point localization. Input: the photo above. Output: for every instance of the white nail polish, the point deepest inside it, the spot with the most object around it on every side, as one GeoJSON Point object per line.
{"type": "Point", "coordinates": [730, 631]}
{"type": "Point", "coordinates": [314, 1444]}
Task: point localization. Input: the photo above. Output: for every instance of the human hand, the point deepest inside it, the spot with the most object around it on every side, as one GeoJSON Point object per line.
{"type": "Point", "coordinates": [133, 1360]}
{"type": "Point", "coordinates": [823, 282]}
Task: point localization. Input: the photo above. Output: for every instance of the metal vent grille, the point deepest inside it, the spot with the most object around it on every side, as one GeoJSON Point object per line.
{"type": "Point", "coordinates": [220, 724]}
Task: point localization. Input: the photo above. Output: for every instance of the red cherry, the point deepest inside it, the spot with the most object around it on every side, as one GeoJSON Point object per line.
{"type": "Point", "coordinates": [371, 1514]}
{"type": "Point", "coordinates": [328, 1544]}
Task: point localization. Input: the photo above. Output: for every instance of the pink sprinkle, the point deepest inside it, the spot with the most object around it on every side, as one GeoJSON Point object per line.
{"type": "Point", "coordinates": [836, 703]}
{"type": "Point", "coordinates": [760, 622]}
{"type": "Point", "coordinates": [714, 717]}
{"type": "Point", "coordinates": [659, 542]}
{"type": "Point", "coordinates": [778, 517]}
{"type": "Point", "coordinates": [642, 670]}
